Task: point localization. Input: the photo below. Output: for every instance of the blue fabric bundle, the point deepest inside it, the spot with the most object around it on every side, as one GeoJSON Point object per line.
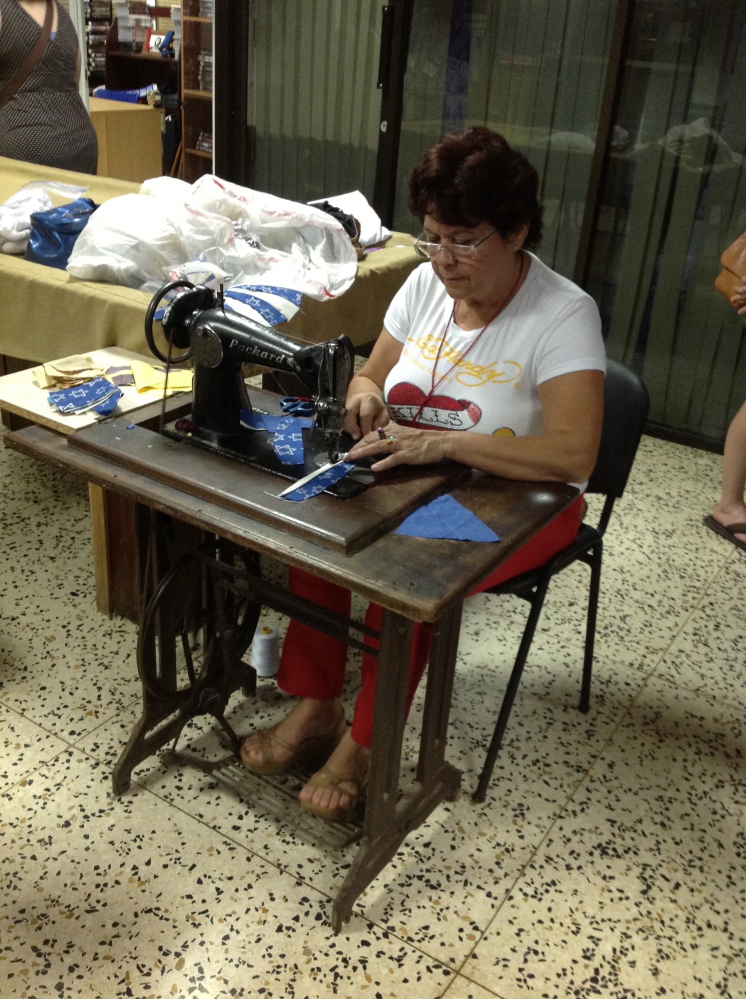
{"type": "Point", "coordinates": [287, 430]}
{"type": "Point", "coordinates": [99, 395]}
{"type": "Point", "coordinates": [53, 232]}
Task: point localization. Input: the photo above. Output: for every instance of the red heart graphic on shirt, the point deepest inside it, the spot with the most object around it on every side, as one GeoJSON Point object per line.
{"type": "Point", "coordinates": [406, 400]}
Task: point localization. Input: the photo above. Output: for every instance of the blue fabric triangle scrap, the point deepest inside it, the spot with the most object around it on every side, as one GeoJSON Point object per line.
{"type": "Point", "coordinates": [445, 517]}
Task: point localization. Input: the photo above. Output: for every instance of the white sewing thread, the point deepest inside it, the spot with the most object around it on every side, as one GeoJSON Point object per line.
{"type": "Point", "coordinates": [265, 651]}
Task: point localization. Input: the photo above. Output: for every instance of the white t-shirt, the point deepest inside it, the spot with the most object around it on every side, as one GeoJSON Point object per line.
{"type": "Point", "coordinates": [490, 385]}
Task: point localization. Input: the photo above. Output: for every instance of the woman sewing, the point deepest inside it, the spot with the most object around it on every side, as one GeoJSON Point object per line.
{"type": "Point", "coordinates": [487, 357]}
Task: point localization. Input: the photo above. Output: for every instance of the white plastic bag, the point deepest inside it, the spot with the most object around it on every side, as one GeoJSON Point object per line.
{"type": "Point", "coordinates": [138, 238]}
{"type": "Point", "coordinates": [128, 240]}
{"type": "Point", "coordinates": [166, 188]}
{"type": "Point", "coordinates": [274, 240]}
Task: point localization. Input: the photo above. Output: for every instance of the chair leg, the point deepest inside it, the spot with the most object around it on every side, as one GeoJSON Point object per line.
{"type": "Point", "coordinates": [537, 602]}
{"type": "Point", "coordinates": [590, 627]}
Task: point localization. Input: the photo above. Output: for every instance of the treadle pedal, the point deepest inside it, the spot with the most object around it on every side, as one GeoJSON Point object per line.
{"type": "Point", "coordinates": [276, 794]}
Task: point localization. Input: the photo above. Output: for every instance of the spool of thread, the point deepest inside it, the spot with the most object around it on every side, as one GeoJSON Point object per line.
{"type": "Point", "coordinates": [265, 651]}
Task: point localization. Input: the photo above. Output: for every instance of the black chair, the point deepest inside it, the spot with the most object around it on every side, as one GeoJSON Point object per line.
{"type": "Point", "coordinates": [625, 411]}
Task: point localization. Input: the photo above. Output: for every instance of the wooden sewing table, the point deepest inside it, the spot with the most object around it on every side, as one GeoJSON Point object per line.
{"type": "Point", "coordinates": [413, 579]}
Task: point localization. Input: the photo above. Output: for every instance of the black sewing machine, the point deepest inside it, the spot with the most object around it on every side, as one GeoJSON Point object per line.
{"type": "Point", "coordinates": [220, 343]}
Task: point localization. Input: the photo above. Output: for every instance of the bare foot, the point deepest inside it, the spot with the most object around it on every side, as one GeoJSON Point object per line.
{"type": "Point", "coordinates": [308, 719]}
{"type": "Point", "coordinates": [731, 513]}
{"type": "Point", "coordinates": [348, 760]}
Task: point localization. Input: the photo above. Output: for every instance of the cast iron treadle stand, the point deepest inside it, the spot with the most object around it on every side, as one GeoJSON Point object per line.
{"type": "Point", "coordinates": [195, 626]}
{"type": "Point", "coordinates": [208, 598]}
{"type": "Point", "coordinates": [275, 794]}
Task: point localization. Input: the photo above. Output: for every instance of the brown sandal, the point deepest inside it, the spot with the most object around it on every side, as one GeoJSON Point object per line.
{"type": "Point", "coordinates": [317, 747]}
{"type": "Point", "coordinates": [328, 778]}
{"type": "Point", "coordinates": [728, 531]}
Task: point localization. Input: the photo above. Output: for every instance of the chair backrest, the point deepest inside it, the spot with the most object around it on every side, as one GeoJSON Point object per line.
{"type": "Point", "coordinates": [626, 405]}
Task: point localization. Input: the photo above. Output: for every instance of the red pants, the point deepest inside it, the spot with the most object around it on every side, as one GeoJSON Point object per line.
{"type": "Point", "coordinates": [313, 664]}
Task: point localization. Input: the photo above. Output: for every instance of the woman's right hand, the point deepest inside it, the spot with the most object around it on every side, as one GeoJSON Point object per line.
{"type": "Point", "coordinates": [366, 411]}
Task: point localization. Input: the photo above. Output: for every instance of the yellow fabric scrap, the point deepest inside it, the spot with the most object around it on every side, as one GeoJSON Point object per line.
{"type": "Point", "coordinates": [147, 378]}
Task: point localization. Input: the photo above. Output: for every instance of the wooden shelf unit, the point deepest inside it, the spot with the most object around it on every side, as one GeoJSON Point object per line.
{"type": "Point", "coordinates": [196, 89]}
{"type": "Point", "coordinates": [129, 70]}
{"type": "Point", "coordinates": [97, 24]}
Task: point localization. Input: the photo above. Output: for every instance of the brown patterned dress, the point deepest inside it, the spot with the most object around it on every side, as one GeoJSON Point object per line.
{"type": "Point", "coordinates": [46, 121]}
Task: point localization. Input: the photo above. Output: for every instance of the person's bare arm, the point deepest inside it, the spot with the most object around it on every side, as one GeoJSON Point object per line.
{"type": "Point", "coordinates": [366, 409]}
{"type": "Point", "coordinates": [566, 450]}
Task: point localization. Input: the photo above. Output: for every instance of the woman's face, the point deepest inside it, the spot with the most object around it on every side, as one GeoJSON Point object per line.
{"type": "Point", "coordinates": [483, 274]}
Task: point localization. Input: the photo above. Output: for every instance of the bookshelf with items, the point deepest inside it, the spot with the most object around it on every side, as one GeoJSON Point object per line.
{"type": "Point", "coordinates": [97, 22]}
{"type": "Point", "coordinates": [129, 64]}
{"type": "Point", "coordinates": [196, 87]}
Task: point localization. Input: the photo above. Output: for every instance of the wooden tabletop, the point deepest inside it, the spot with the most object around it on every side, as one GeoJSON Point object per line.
{"type": "Point", "coordinates": [416, 577]}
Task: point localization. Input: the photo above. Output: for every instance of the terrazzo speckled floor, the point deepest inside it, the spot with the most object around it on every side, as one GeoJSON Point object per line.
{"type": "Point", "coordinates": [608, 860]}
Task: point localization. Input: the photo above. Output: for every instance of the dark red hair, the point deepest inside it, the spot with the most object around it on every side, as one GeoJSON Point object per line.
{"type": "Point", "coordinates": [474, 176]}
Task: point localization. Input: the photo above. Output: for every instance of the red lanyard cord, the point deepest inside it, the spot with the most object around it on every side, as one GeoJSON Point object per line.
{"type": "Point", "coordinates": [433, 384]}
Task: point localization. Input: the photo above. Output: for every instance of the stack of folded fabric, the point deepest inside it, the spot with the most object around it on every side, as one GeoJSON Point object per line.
{"type": "Point", "coordinates": [77, 384]}
{"type": "Point", "coordinates": [148, 377]}
{"type": "Point", "coordinates": [67, 372]}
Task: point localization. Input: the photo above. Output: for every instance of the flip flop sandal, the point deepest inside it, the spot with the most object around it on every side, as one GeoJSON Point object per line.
{"type": "Point", "coordinates": [728, 532]}
{"type": "Point", "coordinates": [318, 747]}
{"type": "Point", "coordinates": [328, 778]}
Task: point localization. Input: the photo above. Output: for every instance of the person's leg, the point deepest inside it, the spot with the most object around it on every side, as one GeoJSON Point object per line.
{"type": "Point", "coordinates": [350, 758]}
{"type": "Point", "coordinates": [313, 664]}
{"type": "Point", "coordinates": [362, 719]}
{"type": "Point", "coordinates": [312, 668]}
{"type": "Point", "coordinates": [333, 789]}
{"type": "Point", "coordinates": [558, 534]}
{"type": "Point", "coordinates": [730, 508]}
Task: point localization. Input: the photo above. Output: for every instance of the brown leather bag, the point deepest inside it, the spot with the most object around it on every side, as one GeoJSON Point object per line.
{"type": "Point", "coordinates": [734, 267]}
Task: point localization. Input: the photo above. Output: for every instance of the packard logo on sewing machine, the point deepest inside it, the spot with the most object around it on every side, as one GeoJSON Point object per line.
{"type": "Point", "coordinates": [254, 352]}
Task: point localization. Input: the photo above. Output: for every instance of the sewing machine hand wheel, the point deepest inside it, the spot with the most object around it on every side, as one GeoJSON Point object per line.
{"type": "Point", "coordinates": [168, 329]}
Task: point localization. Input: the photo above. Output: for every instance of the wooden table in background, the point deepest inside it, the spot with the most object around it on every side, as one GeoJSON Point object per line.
{"type": "Point", "coordinates": [47, 313]}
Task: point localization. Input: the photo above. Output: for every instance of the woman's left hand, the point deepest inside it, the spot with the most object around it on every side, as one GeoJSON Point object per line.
{"type": "Point", "coordinates": [400, 446]}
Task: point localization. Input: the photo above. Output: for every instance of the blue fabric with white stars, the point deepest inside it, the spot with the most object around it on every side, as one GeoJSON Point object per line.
{"type": "Point", "coordinates": [288, 441]}
{"type": "Point", "coordinates": [99, 395]}
{"type": "Point", "coordinates": [321, 482]}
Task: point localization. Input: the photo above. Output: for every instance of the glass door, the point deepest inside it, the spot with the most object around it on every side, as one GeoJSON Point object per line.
{"type": "Point", "coordinates": [533, 71]}
{"type": "Point", "coordinates": [673, 199]}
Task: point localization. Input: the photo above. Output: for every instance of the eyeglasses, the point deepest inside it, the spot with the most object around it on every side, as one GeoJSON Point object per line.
{"type": "Point", "coordinates": [459, 251]}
